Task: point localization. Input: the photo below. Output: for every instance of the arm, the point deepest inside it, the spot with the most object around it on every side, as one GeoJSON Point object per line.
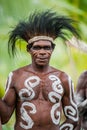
{"type": "Point", "coordinates": [81, 93]}
{"type": "Point", "coordinates": [81, 97]}
{"type": "Point", "coordinates": [69, 105]}
{"type": "Point", "coordinates": [7, 104]}
{"type": "Point", "coordinates": [78, 125]}
{"type": "Point", "coordinates": [82, 107]}
{"type": "Point", "coordinates": [0, 125]}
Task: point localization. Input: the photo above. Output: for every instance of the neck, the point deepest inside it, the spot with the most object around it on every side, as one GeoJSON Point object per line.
{"type": "Point", "coordinates": [40, 69]}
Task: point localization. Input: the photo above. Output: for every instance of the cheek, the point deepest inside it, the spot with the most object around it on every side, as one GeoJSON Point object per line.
{"type": "Point", "coordinates": [35, 54]}
{"type": "Point", "coordinates": [49, 54]}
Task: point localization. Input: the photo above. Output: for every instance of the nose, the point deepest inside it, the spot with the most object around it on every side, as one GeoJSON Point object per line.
{"type": "Point", "coordinates": [42, 51]}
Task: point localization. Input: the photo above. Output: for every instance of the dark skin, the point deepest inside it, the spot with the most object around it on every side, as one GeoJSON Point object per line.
{"type": "Point", "coordinates": [38, 92]}
{"type": "Point", "coordinates": [81, 92]}
{"type": "Point", "coordinates": [0, 124]}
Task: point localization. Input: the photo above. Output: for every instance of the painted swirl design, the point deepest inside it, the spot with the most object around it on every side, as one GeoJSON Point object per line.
{"type": "Point", "coordinates": [54, 96]}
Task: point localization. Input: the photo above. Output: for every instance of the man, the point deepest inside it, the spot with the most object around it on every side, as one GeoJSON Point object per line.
{"type": "Point", "coordinates": [38, 91]}
{"type": "Point", "coordinates": [81, 98]}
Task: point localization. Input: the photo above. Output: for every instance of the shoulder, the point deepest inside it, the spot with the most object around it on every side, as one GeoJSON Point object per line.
{"type": "Point", "coordinates": [18, 72]}
{"type": "Point", "coordinates": [82, 80]}
{"type": "Point", "coordinates": [61, 74]}
{"type": "Point", "coordinates": [67, 83]}
{"type": "Point", "coordinates": [83, 74]}
{"type": "Point", "coordinates": [64, 77]}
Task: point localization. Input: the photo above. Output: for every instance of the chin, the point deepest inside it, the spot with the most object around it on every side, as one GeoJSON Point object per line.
{"type": "Point", "coordinates": [42, 64]}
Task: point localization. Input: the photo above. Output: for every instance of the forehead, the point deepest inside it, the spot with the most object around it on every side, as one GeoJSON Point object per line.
{"type": "Point", "coordinates": [42, 43]}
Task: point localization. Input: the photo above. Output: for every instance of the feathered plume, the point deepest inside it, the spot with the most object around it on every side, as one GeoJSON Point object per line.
{"type": "Point", "coordinates": [46, 23]}
{"type": "Point", "coordinates": [80, 45]}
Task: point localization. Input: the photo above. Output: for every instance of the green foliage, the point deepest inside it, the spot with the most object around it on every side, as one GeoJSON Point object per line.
{"type": "Point", "coordinates": [70, 60]}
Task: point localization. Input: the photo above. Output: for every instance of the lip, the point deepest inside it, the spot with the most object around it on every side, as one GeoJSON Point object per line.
{"type": "Point", "coordinates": [42, 59]}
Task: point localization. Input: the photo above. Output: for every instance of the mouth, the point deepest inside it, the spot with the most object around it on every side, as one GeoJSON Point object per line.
{"type": "Point", "coordinates": [41, 59]}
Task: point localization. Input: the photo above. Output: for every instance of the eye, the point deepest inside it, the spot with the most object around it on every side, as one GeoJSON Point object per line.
{"type": "Point", "coordinates": [47, 47]}
{"type": "Point", "coordinates": [36, 47]}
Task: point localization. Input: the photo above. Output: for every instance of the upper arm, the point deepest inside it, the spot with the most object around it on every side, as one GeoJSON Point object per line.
{"type": "Point", "coordinates": [81, 87]}
{"type": "Point", "coordinates": [68, 101]}
{"type": "Point", "coordinates": [8, 101]}
{"type": "Point", "coordinates": [10, 94]}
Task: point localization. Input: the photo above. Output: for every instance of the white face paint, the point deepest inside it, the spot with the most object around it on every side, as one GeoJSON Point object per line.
{"type": "Point", "coordinates": [55, 94]}
{"type": "Point", "coordinates": [70, 111]}
{"type": "Point", "coordinates": [29, 85]}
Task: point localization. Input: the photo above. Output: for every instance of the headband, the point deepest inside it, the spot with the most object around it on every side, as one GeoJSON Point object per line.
{"type": "Point", "coordinates": [36, 38]}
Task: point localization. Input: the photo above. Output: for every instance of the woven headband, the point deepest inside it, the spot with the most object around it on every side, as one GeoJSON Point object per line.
{"type": "Point", "coordinates": [36, 38]}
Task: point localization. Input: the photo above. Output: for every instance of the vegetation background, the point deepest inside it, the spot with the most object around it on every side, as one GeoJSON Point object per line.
{"type": "Point", "coordinates": [69, 59]}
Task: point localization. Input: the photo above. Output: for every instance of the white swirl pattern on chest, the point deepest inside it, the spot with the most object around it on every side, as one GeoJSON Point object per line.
{"type": "Point", "coordinates": [25, 116]}
{"type": "Point", "coordinates": [55, 94]}
{"type": "Point", "coordinates": [29, 85]}
{"type": "Point", "coordinates": [54, 97]}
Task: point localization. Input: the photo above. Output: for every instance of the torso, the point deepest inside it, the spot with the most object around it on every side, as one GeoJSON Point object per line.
{"type": "Point", "coordinates": [38, 100]}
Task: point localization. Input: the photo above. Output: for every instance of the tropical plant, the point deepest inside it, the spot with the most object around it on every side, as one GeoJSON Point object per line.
{"type": "Point", "coordinates": [65, 58]}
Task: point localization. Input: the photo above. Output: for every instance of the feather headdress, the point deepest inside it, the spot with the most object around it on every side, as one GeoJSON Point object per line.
{"type": "Point", "coordinates": [45, 25]}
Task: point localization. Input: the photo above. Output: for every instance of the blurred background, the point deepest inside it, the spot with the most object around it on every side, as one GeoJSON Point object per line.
{"type": "Point", "coordinates": [69, 59]}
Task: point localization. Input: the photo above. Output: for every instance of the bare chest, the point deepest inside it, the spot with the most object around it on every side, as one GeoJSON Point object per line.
{"type": "Point", "coordinates": [44, 88]}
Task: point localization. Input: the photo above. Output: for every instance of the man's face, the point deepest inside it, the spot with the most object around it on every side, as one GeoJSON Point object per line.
{"type": "Point", "coordinates": [41, 52]}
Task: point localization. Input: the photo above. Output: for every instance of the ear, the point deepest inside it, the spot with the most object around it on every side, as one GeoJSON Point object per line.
{"type": "Point", "coordinates": [28, 47]}
{"type": "Point", "coordinates": [28, 50]}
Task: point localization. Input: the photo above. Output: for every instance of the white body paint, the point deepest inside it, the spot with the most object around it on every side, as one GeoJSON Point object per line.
{"type": "Point", "coordinates": [29, 85]}
{"type": "Point", "coordinates": [57, 90]}
{"type": "Point", "coordinates": [68, 125]}
{"type": "Point", "coordinates": [26, 117]}
{"type": "Point", "coordinates": [71, 109]}
{"type": "Point", "coordinates": [9, 81]}
{"type": "Point", "coordinates": [54, 97]}
{"type": "Point", "coordinates": [29, 88]}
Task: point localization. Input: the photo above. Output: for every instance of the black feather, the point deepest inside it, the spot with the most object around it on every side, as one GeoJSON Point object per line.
{"type": "Point", "coordinates": [46, 23]}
